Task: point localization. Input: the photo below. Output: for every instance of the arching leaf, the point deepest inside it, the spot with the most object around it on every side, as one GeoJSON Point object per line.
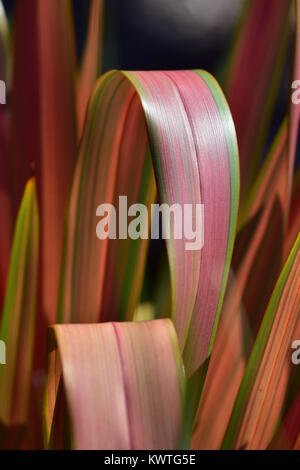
{"type": "Point", "coordinates": [127, 393]}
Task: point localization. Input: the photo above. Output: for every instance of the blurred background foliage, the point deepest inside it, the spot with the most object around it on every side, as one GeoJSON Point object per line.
{"type": "Point", "coordinates": [171, 34]}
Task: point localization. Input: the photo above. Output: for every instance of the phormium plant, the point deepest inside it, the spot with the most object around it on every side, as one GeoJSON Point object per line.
{"type": "Point", "coordinates": [206, 363]}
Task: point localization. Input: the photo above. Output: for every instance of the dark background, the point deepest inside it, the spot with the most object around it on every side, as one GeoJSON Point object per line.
{"type": "Point", "coordinates": [161, 34]}
{"type": "Point", "coordinates": [169, 34]}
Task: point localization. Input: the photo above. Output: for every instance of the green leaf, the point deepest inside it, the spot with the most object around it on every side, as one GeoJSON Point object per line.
{"type": "Point", "coordinates": [18, 320]}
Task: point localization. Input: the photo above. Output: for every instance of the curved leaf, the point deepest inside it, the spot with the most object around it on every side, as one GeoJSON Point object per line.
{"type": "Point", "coordinates": [128, 391]}
{"type": "Point", "coordinates": [195, 159]}
{"type": "Point", "coordinates": [255, 267]}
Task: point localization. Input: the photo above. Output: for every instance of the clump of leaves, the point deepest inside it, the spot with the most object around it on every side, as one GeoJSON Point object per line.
{"type": "Point", "coordinates": [211, 368]}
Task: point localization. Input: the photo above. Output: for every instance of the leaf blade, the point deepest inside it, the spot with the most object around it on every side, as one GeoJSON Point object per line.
{"type": "Point", "coordinates": [188, 154]}
{"type": "Point", "coordinates": [140, 406]}
{"type": "Point", "coordinates": [272, 342]}
{"type": "Point", "coordinates": [18, 320]}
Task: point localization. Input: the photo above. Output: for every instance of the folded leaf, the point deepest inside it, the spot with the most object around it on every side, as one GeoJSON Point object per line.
{"type": "Point", "coordinates": [127, 393]}
{"type": "Point", "coordinates": [114, 147]}
{"type": "Point", "coordinates": [254, 417]}
{"type": "Point", "coordinates": [18, 320]}
{"type": "Point", "coordinates": [194, 152]}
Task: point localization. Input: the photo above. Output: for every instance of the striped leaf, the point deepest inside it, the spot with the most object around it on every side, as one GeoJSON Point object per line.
{"type": "Point", "coordinates": [127, 393]}
{"type": "Point", "coordinates": [252, 424]}
{"type": "Point", "coordinates": [18, 319]}
{"type": "Point", "coordinates": [294, 217]}
{"type": "Point", "coordinates": [195, 160]}
{"type": "Point", "coordinates": [256, 264]}
{"type": "Point", "coordinates": [251, 90]}
{"type": "Point", "coordinates": [259, 253]}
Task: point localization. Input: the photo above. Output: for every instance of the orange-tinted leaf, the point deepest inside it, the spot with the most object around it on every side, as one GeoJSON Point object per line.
{"type": "Point", "coordinates": [254, 417]}
{"type": "Point", "coordinates": [113, 148]}
{"type": "Point", "coordinates": [127, 393]}
{"type": "Point", "coordinates": [272, 180]}
{"type": "Point", "coordinates": [294, 217]}
{"type": "Point", "coordinates": [254, 78]}
{"type": "Point", "coordinates": [256, 264]}
{"type": "Point", "coordinates": [191, 134]}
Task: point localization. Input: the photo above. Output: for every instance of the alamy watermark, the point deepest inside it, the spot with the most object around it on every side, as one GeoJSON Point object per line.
{"type": "Point", "coordinates": [2, 92]}
{"type": "Point", "coordinates": [179, 222]}
{"type": "Point", "coordinates": [2, 353]}
{"type": "Point", "coordinates": [296, 354]}
{"type": "Point", "coordinates": [296, 93]}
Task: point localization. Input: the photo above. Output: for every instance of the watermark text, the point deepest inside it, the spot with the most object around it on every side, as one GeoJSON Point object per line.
{"type": "Point", "coordinates": [296, 354]}
{"type": "Point", "coordinates": [179, 222]}
{"type": "Point", "coordinates": [2, 353]}
{"type": "Point", "coordinates": [2, 92]}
